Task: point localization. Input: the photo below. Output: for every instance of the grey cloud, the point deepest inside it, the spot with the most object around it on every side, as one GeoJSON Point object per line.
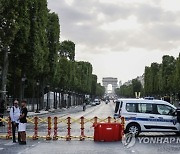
{"type": "Point", "coordinates": [159, 27]}
{"type": "Point", "coordinates": [117, 11]}
{"type": "Point", "coordinates": [154, 14]}
{"type": "Point", "coordinates": [70, 14]}
{"type": "Point", "coordinates": [86, 34]}
{"type": "Point", "coordinates": [166, 32]}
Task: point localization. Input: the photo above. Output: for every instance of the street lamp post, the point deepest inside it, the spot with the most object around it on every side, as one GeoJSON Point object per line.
{"type": "Point", "coordinates": [69, 99]}
{"type": "Point", "coordinates": [73, 94]}
{"type": "Point", "coordinates": [37, 110]}
{"type": "Point", "coordinates": [56, 98]}
{"type": "Point", "coordinates": [47, 105]}
{"type": "Point", "coordinates": [70, 96]}
{"type": "Point", "coordinates": [59, 105]}
{"type": "Point", "coordinates": [23, 79]}
{"type": "Point", "coordinates": [62, 98]}
{"type": "Point", "coordinates": [54, 104]}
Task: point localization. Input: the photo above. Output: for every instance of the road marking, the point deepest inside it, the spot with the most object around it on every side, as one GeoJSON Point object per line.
{"type": "Point", "coordinates": [25, 150]}
{"type": "Point", "coordinates": [1, 148]}
{"type": "Point", "coordinates": [10, 143]}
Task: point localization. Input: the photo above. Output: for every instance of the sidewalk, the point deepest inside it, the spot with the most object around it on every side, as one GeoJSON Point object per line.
{"type": "Point", "coordinates": [71, 109]}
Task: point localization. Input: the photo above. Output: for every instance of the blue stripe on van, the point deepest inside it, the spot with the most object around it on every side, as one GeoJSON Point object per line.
{"type": "Point", "coordinates": [149, 119]}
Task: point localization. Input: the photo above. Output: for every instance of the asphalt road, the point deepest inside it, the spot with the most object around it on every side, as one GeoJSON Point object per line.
{"type": "Point", "coordinates": [147, 143]}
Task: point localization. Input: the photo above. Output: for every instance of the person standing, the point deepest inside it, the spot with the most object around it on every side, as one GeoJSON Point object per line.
{"type": "Point", "coordinates": [23, 122]}
{"type": "Point", "coordinates": [14, 115]}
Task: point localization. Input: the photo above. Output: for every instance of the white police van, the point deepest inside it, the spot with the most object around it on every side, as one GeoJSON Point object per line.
{"type": "Point", "coordinates": [142, 115]}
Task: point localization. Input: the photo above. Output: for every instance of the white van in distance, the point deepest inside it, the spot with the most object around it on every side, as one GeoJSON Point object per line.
{"type": "Point", "coordinates": [143, 115]}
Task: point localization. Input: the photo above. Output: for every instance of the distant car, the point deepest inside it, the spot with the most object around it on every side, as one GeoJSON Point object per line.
{"type": "Point", "coordinates": [93, 103]}
{"type": "Point", "coordinates": [97, 101]}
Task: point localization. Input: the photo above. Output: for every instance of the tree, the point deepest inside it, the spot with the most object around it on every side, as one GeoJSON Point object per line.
{"type": "Point", "coordinates": [37, 67]}
{"type": "Point", "coordinates": [152, 79]}
{"type": "Point", "coordinates": [176, 81]}
{"type": "Point", "coordinates": [53, 33]}
{"type": "Point", "coordinates": [100, 90]}
{"type": "Point", "coordinates": [161, 79]}
{"type": "Point", "coordinates": [67, 49]}
{"type": "Point", "coordinates": [168, 67]}
{"type": "Point", "coordinates": [93, 85]}
{"type": "Point", "coordinates": [136, 85]}
{"type": "Point", "coordinates": [18, 48]}
{"type": "Point", "coordinates": [30, 34]}
{"type": "Point", "coordinates": [8, 29]}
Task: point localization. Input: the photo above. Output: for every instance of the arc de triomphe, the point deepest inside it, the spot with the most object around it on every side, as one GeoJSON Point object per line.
{"type": "Point", "coordinates": [109, 80]}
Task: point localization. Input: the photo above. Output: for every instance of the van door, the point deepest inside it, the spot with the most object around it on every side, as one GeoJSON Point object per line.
{"type": "Point", "coordinates": [165, 119]}
{"type": "Point", "coordinates": [146, 116]}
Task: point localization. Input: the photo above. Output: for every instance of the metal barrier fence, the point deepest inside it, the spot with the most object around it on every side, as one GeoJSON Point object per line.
{"type": "Point", "coordinates": [52, 127]}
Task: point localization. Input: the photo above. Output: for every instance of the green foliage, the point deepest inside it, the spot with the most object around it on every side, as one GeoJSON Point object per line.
{"type": "Point", "coordinates": [152, 79]}
{"type": "Point", "coordinates": [100, 90]}
{"type": "Point", "coordinates": [136, 86]}
{"type": "Point", "coordinates": [125, 91]}
{"type": "Point", "coordinates": [128, 91]}
{"type": "Point", "coordinates": [53, 35]}
{"type": "Point", "coordinates": [93, 85]}
{"type": "Point", "coordinates": [8, 30]}
{"type": "Point", "coordinates": [8, 21]}
{"type": "Point", "coordinates": [32, 35]}
{"type": "Point", "coordinates": [67, 49]}
{"type": "Point", "coordinates": [76, 76]}
{"type": "Point", "coordinates": [176, 81]}
{"type": "Point", "coordinates": [162, 79]}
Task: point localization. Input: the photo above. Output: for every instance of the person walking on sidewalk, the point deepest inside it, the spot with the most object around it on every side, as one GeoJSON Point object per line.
{"type": "Point", "coordinates": [14, 115]}
{"type": "Point", "coordinates": [23, 122]}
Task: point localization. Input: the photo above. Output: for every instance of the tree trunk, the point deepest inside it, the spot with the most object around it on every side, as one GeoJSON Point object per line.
{"type": "Point", "coordinates": [4, 73]}
{"type": "Point", "coordinates": [62, 99]}
{"type": "Point", "coordinates": [33, 96]}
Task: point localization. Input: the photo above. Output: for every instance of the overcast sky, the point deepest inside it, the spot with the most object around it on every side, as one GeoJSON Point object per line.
{"type": "Point", "coordinates": [120, 37]}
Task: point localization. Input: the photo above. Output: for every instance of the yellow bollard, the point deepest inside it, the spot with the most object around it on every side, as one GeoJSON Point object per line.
{"type": "Point", "coordinates": [48, 137]}
{"type": "Point", "coordinates": [55, 129]}
{"type": "Point", "coordinates": [123, 123]}
{"type": "Point", "coordinates": [109, 119]}
{"type": "Point", "coordinates": [82, 137]}
{"type": "Point", "coordinates": [9, 128]}
{"type": "Point", "coordinates": [35, 136]}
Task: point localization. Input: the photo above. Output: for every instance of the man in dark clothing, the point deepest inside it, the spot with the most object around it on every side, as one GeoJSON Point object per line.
{"type": "Point", "coordinates": [23, 122]}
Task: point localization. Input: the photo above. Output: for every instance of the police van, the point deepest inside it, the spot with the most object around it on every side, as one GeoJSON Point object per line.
{"type": "Point", "coordinates": [143, 115]}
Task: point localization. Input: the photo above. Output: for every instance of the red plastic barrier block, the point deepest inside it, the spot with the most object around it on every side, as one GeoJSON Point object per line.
{"type": "Point", "coordinates": [107, 132]}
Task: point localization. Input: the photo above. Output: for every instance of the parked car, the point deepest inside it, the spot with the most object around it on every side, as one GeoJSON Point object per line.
{"type": "Point", "coordinates": [97, 101]}
{"type": "Point", "coordinates": [144, 115]}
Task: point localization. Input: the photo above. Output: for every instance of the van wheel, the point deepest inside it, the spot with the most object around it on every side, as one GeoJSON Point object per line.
{"type": "Point", "coordinates": [133, 128]}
